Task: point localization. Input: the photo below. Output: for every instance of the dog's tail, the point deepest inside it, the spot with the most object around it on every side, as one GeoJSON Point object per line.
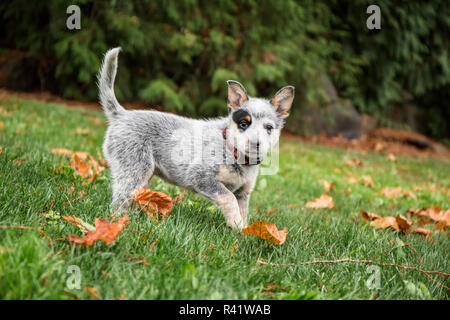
{"type": "Point", "coordinates": [106, 78]}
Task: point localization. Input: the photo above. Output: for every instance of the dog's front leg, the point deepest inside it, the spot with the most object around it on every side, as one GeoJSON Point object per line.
{"type": "Point", "coordinates": [243, 199]}
{"type": "Point", "coordinates": [227, 203]}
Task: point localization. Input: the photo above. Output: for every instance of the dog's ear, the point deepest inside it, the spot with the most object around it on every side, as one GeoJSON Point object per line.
{"type": "Point", "coordinates": [282, 101]}
{"type": "Point", "coordinates": [236, 94]}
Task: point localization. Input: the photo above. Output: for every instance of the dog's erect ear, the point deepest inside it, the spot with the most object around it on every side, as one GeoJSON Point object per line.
{"type": "Point", "coordinates": [282, 101]}
{"type": "Point", "coordinates": [236, 94]}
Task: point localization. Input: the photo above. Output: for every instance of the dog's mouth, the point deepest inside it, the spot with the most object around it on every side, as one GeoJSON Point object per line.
{"type": "Point", "coordinates": [253, 157]}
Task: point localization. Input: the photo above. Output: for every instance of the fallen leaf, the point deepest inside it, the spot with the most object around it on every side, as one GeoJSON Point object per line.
{"type": "Point", "coordinates": [403, 223]}
{"type": "Point", "coordinates": [411, 194]}
{"type": "Point", "coordinates": [19, 161]}
{"type": "Point", "coordinates": [96, 121]}
{"type": "Point", "coordinates": [104, 230]}
{"type": "Point", "coordinates": [92, 292]}
{"type": "Point", "coordinates": [368, 216]}
{"type": "Point", "coordinates": [152, 202]}
{"type": "Point", "coordinates": [62, 151]}
{"type": "Point", "coordinates": [324, 201]}
{"type": "Point", "coordinates": [354, 162]}
{"type": "Point", "coordinates": [1, 149]}
{"type": "Point", "coordinates": [423, 231]}
{"type": "Point", "coordinates": [293, 205]}
{"type": "Point", "coordinates": [2, 125]}
{"type": "Point", "coordinates": [82, 131]}
{"type": "Point", "coordinates": [368, 182]}
{"type": "Point", "coordinates": [391, 193]}
{"type": "Point", "coordinates": [385, 222]}
{"type": "Point", "coordinates": [80, 167]}
{"type": "Point", "coordinates": [269, 212]}
{"type": "Point", "coordinates": [391, 157]}
{"type": "Point", "coordinates": [179, 198]}
{"type": "Point", "coordinates": [83, 226]}
{"type": "Point", "coordinates": [327, 185]}
{"type": "Point", "coordinates": [267, 231]}
{"type": "Point", "coordinates": [434, 213]}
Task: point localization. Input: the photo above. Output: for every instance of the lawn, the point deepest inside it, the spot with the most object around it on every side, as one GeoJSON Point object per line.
{"type": "Point", "coordinates": [192, 254]}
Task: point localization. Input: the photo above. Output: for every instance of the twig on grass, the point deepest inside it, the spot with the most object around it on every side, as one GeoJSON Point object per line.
{"type": "Point", "coordinates": [29, 228]}
{"type": "Point", "coordinates": [426, 272]}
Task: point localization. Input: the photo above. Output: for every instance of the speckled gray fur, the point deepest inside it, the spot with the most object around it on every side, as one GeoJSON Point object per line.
{"type": "Point", "coordinates": [187, 152]}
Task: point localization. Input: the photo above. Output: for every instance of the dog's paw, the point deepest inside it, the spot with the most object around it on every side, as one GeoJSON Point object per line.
{"type": "Point", "coordinates": [236, 222]}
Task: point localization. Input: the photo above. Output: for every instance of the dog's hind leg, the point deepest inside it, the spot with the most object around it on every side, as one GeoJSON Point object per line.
{"type": "Point", "coordinates": [126, 179]}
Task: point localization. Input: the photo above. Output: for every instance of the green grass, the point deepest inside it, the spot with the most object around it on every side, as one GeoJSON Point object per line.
{"type": "Point", "coordinates": [192, 255]}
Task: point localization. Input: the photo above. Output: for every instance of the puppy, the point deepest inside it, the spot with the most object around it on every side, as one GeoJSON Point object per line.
{"type": "Point", "coordinates": [217, 158]}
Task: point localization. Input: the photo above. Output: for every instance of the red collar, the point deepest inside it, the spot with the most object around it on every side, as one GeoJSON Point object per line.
{"type": "Point", "coordinates": [233, 149]}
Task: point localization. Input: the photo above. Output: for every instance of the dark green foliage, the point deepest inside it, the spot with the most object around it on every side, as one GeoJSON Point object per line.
{"type": "Point", "coordinates": [178, 54]}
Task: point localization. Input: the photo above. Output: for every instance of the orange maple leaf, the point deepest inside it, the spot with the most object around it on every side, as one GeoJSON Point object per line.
{"type": "Point", "coordinates": [267, 231]}
{"type": "Point", "coordinates": [153, 202]}
{"type": "Point", "coordinates": [104, 230]}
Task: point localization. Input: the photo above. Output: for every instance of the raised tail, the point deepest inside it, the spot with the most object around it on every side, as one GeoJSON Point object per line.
{"type": "Point", "coordinates": [106, 78]}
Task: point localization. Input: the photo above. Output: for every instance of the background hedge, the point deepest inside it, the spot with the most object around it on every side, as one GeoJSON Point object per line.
{"type": "Point", "coordinates": [178, 54]}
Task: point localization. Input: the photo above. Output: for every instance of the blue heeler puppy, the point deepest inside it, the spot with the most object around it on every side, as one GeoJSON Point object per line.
{"type": "Point", "coordinates": [217, 158]}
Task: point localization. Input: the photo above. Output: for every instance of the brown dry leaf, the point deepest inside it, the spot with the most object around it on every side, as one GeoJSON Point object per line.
{"type": "Point", "coordinates": [152, 202]}
{"type": "Point", "coordinates": [354, 162]}
{"type": "Point", "coordinates": [2, 125]}
{"type": "Point", "coordinates": [337, 170]}
{"type": "Point", "coordinates": [327, 185]}
{"type": "Point", "coordinates": [62, 151]}
{"type": "Point", "coordinates": [80, 167]}
{"type": "Point", "coordinates": [104, 230]}
{"type": "Point", "coordinates": [434, 213]}
{"type": "Point", "coordinates": [96, 121]}
{"type": "Point", "coordinates": [391, 157]}
{"type": "Point", "coordinates": [179, 198]}
{"type": "Point", "coordinates": [368, 182]}
{"type": "Point", "coordinates": [391, 193]}
{"type": "Point", "coordinates": [324, 201]}
{"type": "Point", "coordinates": [423, 232]}
{"type": "Point", "coordinates": [293, 205]}
{"type": "Point", "coordinates": [1, 149]}
{"type": "Point", "coordinates": [368, 216]}
{"type": "Point", "coordinates": [385, 222]}
{"type": "Point", "coordinates": [403, 223]}
{"type": "Point", "coordinates": [82, 131]}
{"type": "Point", "coordinates": [411, 194]}
{"type": "Point", "coordinates": [92, 291]}
{"type": "Point", "coordinates": [267, 231]}
{"type": "Point", "coordinates": [19, 161]}
{"type": "Point", "coordinates": [269, 212]}
{"type": "Point", "coordinates": [417, 188]}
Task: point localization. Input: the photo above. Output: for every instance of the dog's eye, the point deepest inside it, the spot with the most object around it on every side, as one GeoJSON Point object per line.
{"type": "Point", "coordinates": [243, 124]}
{"type": "Point", "coordinates": [269, 128]}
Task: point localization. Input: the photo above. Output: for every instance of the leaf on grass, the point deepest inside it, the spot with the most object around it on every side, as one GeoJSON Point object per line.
{"type": "Point", "coordinates": [327, 185]}
{"type": "Point", "coordinates": [391, 157]}
{"type": "Point", "coordinates": [368, 182]}
{"type": "Point", "coordinates": [324, 201]}
{"type": "Point", "coordinates": [1, 149]}
{"type": "Point", "coordinates": [62, 151]}
{"type": "Point", "coordinates": [403, 223]}
{"type": "Point", "coordinates": [179, 198]}
{"type": "Point", "coordinates": [354, 162]}
{"type": "Point", "coordinates": [385, 222]}
{"type": "Point", "coordinates": [91, 291]}
{"type": "Point", "coordinates": [80, 167]}
{"type": "Point", "coordinates": [368, 216]}
{"type": "Point", "coordinates": [267, 231]}
{"type": "Point", "coordinates": [269, 212]}
{"type": "Point", "coordinates": [82, 131]}
{"type": "Point", "coordinates": [423, 231]}
{"type": "Point", "coordinates": [104, 230]}
{"type": "Point", "coordinates": [153, 202]}
{"type": "Point", "coordinates": [395, 192]}
{"type": "Point", "coordinates": [83, 226]}
{"type": "Point", "coordinates": [434, 213]}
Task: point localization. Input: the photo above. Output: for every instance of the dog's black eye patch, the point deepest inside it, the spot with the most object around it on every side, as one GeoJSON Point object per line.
{"type": "Point", "coordinates": [242, 118]}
